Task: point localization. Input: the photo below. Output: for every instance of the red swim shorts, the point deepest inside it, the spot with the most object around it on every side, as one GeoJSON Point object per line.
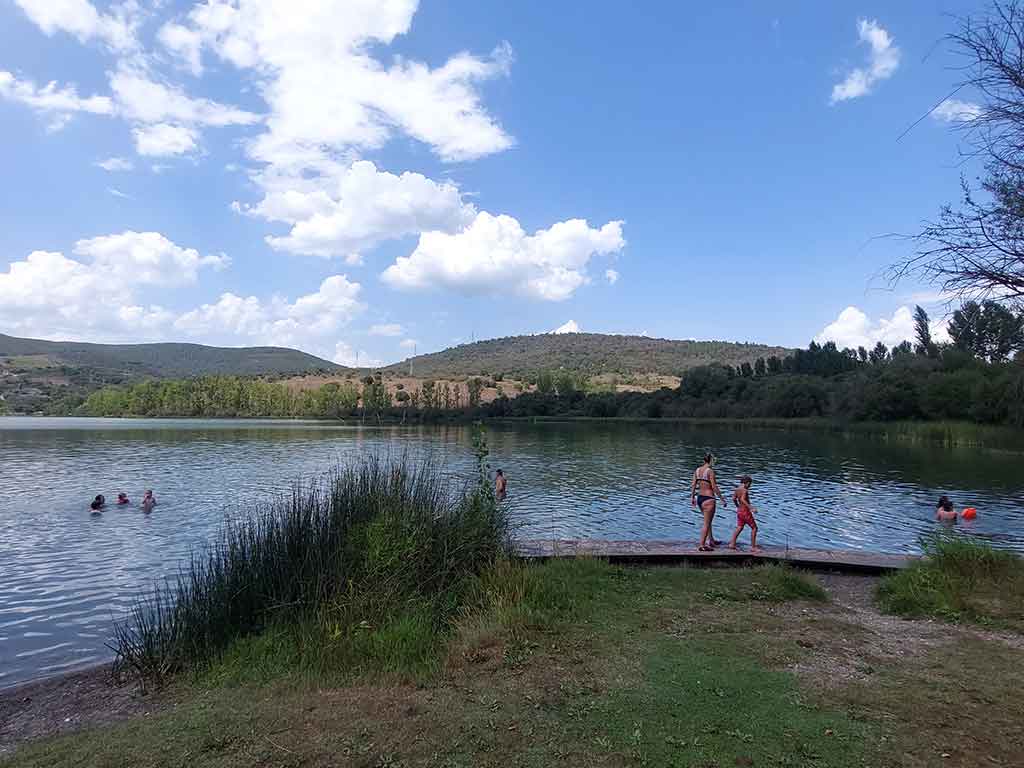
{"type": "Point", "coordinates": [744, 516]}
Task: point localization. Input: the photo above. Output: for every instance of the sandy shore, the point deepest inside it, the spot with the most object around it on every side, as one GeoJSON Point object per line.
{"type": "Point", "coordinates": [65, 703]}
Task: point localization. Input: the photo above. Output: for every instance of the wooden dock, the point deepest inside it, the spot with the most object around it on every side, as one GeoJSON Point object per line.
{"type": "Point", "coordinates": [686, 551]}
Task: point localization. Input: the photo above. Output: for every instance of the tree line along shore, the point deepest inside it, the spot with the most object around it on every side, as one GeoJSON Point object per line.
{"type": "Point", "coordinates": [978, 379]}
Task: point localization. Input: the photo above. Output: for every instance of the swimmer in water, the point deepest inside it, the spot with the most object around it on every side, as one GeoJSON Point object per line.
{"type": "Point", "coordinates": [97, 504]}
{"type": "Point", "coordinates": [122, 498]}
{"type": "Point", "coordinates": [945, 511]}
{"type": "Point", "coordinates": [500, 485]}
{"type": "Point", "coordinates": [148, 501]}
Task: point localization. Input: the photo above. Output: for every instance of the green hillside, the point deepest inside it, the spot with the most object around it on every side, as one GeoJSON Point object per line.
{"type": "Point", "coordinates": [38, 375]}
{"type": "Point", "coordinates": [587, 353]}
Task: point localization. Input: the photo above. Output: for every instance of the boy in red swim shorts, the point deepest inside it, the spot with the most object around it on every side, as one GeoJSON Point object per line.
{"type": "Point", "coordinates": [744, 513]}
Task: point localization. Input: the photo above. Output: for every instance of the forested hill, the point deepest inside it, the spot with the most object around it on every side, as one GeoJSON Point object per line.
{"type": "Point", "coordinates": [166, 360]}
{"type": "Point", "coordinates": [586, 353]}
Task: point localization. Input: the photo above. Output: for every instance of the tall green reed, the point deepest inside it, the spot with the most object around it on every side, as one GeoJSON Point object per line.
{"type": "Point", "coordinates": [351, 550]}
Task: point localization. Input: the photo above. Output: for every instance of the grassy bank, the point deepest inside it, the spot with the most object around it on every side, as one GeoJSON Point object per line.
{"type": "Point", "coordinates": [959, 580]}
{"type": "Point", "coordinates": [368, 565]}
{"type": "Point", "coordinates": [581, 663]}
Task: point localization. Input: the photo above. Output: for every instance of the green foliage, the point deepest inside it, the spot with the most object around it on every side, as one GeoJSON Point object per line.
{"type": "Point", "coordinates": [584, 354]}
{"type": "Point", "coordinates": [988, 331]}
{"type": "Point", "coordinates": [365, 567]}
{"type": "Point", "coordinates": [960, 579]}
{"type": "Point", "coordinates": [223, 397]}
{"type": "Point", "coordinates": [475, 387]}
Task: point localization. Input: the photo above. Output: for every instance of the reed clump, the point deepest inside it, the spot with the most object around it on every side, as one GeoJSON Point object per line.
{"type": "Point", "coordinates": [959, 579]}
{"type": "Point", "coordinates": [366, 566]}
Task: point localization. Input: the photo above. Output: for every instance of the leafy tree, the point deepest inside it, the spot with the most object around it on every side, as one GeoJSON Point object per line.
{"type": "Point", "coordinates": [475, 387]}
{"type": "Point", "coordinates": [746, 371]}
{"type": "Point", "coordinates": [759, 367]}
{"type": "Point", "coordinates": [545, 383]}
{"type": "Point", "coordinates": [774, 364]}
{"type": "Point", "coordinates": [923, 333]}
{"type": "Point", "coordinates": [879, 354]}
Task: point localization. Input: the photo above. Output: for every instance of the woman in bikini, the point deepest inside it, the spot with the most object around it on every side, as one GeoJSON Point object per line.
{"type": "Point", "coordinates": [703, 491]}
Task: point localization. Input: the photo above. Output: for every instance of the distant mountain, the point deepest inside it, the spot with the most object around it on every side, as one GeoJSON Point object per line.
{"type": "Point", "coordinates": [169, 360]}
{"type": "Point", "coordinates": [54, 376]}
{"type": "Point", "coordinates": [587, 353]}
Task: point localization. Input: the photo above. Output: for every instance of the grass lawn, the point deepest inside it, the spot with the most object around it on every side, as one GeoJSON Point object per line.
{"type": "Point", "coordinates": [578, 663]}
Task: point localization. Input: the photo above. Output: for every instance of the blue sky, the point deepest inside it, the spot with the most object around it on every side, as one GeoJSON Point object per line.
{"type": "Point", "coordinates": [352, 177]}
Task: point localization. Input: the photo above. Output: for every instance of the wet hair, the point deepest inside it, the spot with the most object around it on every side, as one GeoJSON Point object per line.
{"type": "Point", "coordinates": [99, 499]}
{"type": "Point", "coordinates": [746, 480]}
{"type": "Point", "coordinates": [945, 503]}
{"type": "Point", "coordinates": [708, 458]}
{"type": "Point", "coordinates": [500, 472]}
{"type": "Point", "coordinates": [96, 504]}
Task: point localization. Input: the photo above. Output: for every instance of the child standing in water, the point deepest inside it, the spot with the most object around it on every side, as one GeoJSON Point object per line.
{"type": "Point", "coordinates": [744, 513]}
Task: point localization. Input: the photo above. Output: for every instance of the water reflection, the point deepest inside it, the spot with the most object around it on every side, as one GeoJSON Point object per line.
{"type": "Point", "coordinates": [64, 575]}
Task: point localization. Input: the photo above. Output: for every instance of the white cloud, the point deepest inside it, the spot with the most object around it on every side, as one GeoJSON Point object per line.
{"type": "Point", "coordinates": [611, 276]}
{"type": "Point", "coordinates": [357, 209]}
{"type": "Point", "coordinates": [883, 61]}
{"type": "Point", "coordinates": [330, 98]}
{"type": "Point", "coordinates": [956, 111]}
{"type": "Point", "coordinates": [569, 327]}
{"type": "Point", "coordinates": [149, 257]}
{"type": "Point", "coordinates": [408, 343]}
{"type": "Point", "coordinates": [113, 164]}
{"type": "Point", "coordinates": [164, 117]}
{"type": "Point", "coordinates": [118, 193]}
{"type": "Point", "coordinates": [81, 19]}
{"type": "Point", "coordinates": [344, 355]}
{"type": "Point", "coordinates": [328, 93]}
{"type": "Point", "coordinates": [494, 254]}
{"type": "Point", "coordinates": [186, 44]}
{"type": "Point", "coordinates": [53, 99]}
{"type": "Point", "coordinates": [854, 329]}
{"type": "Point", "coordinates": [52, 296]}
{"type": "Point", "coordinates": [311, 322]}
{"type": "Point", "coordinates": [142, 99]}
{"type": "Point", "coordinates": [386, 329]}
{"type": "Point", "coordinates": [164, 140]}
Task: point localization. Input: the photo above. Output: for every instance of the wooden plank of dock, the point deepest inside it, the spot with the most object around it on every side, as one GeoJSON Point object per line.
{"type": "Point", "coordinates": [669, 551]}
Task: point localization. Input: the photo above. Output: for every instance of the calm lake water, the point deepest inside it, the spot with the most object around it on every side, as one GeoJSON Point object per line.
{"type": "Point", "coordinates": [66, 576]}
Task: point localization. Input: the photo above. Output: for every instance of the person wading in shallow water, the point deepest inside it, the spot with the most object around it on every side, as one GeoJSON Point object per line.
{"type": "Point", "coordinates": [703, 491]}
{"type": "Point", "coordinates": [500, 485]}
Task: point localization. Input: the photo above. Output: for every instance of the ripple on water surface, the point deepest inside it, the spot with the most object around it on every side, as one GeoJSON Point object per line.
{"type": "Point", "coordinates": [65, 576]}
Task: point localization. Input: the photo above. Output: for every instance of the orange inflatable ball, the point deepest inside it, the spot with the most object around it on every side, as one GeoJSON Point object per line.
{"type": "Point", "coordinates": [969, 513]}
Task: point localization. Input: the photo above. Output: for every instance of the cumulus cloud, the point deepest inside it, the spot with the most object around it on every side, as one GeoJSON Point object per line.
{"type": "Point", "coordinates": [329, 99]}
{"type": "Point", "coordinates": [52, 296]}
{"type": "Point", "coordinates": [611, 276]}
{"type": "Point", "coordinates": [326, 90]}
{"type": "Point", "coordinates": [311, 322]}
{"type": "Point", "coordinates": [956, 111]}
{"type": "Point", "coordinates": [883, 61]}
{"type": "Point", "coordinates": [81, 19]}
{"type": "Point", "coordinates": [386, 329]}
{"type": "Point", "coordinates": [113, 164]}
{"type": "Point", "coordinates": [853, 328]}
{"type": "Point", "coordinates": [356, 209]}
{"type": "Point", "coordinates": [149, 258]}
{"type": "Point", "coordinates": [494, 254]}
{"type": "Point", "coordinates": [569, 327]}
{"type": "Point", "coordinates": [408, 343]}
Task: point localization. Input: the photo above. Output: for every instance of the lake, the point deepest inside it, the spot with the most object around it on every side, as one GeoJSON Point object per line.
{"type": "Point", "coordinates": [66, 576]}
